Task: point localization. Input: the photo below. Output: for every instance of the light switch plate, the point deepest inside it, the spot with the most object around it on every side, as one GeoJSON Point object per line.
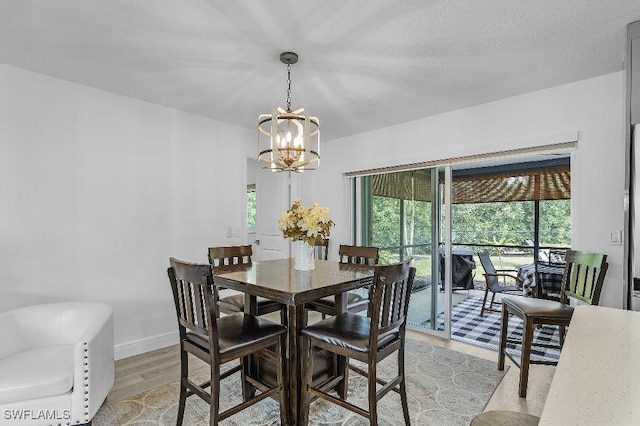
{"type": "Point", "coordinates": [615, 238]}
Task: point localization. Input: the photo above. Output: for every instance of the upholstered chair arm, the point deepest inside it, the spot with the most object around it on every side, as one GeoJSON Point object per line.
{"type": "Point", "coordinates": [499, 273]}
{"type": "Point", "coordinates": [93, 364]}
{"type": "Point", "coordinates": [51, 324]}
{"type": "Point", "coordinates": [505, 271]}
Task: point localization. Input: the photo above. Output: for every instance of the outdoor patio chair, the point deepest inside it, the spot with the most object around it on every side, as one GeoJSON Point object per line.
{"type": "Point", "coordinates": [493, 283]}
{"type": "Point", "coordinates": [557, 257]}
{"type": "Point", "coordinates": [582, 280]}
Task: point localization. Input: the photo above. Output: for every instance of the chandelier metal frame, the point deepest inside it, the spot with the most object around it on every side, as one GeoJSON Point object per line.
{"type": "Point", "coordinates": [289, 140]}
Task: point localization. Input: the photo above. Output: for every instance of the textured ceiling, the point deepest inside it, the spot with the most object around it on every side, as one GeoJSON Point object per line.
{"type": "Point", "coordinates": [364, 64]}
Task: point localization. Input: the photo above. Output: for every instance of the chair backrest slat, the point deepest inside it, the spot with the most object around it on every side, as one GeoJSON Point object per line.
{"type": "Point", "coordinates": [227, 257]}
{"type": "Point", "coordinates": [189, 302]}
{"type": "Point", "coordinates": [181, 305]}
{"type": "Point", "coordinates": [385, 316]}
{"type": "Point", "coordinates": [395, 299]}
{"type": "Point", "coordinates": [361, 255]}
{"type": "Point", "coordinates": [390, 292]}
{"type": "Point", "coordinates": [199, 305]}
{"type": "Point", "coordinates": [583, 276]}
{"type": "Point", "coordinates": [401, 296]}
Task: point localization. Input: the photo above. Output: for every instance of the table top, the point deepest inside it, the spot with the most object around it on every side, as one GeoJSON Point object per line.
{"type": "Point", "coordinates": [278, 280]}
{"type": "Point", "coordinates": [597, 381]}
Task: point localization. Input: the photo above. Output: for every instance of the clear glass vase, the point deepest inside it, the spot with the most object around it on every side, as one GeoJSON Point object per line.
{"type": "Point", "coordinates": [304, 260]}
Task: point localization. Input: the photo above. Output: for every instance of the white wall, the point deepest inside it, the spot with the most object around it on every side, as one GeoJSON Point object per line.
{"type": "Point", "coordinates": [593, 108]}
{"type": "Point", "coordinates": [99, 190]}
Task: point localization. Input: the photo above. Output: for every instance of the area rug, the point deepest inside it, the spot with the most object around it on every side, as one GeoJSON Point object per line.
{"type": "Point", "coordinates": [444, 388]}
{"type": "Point", "coordinates": [468, 326]}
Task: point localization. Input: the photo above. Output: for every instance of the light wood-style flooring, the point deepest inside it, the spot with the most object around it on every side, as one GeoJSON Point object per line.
{"type": "Point", "coordinates": [147, 371]}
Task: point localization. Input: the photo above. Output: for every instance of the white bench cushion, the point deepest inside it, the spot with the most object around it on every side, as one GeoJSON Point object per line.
{"type": "Point", "coordinates": [36, 373]}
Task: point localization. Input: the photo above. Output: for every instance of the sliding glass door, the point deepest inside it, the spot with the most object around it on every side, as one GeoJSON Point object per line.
{"type": "Point", "coordinates": [442, 216]}
{"type": "Point", "coordinates": [401, 214]}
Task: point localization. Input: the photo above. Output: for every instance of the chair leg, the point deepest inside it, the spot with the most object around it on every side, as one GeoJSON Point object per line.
{"type": "Point", "coordinates": [373, 400]}
{"type": "Point", "coordinates": [343, 369]}
{"type": "Point", "coordinates": [284, 412]}
{"type": "Point", "coordinates": [244, 372]}
{"type": "Point", "coordinates": [403, 384]}
{"type": "Point", "coordinates": [484, 301]}
{"type": "Point", "coordinates": [214, 402]}
{"type": "Point", "coordinates": [562, 331]}
{"type": "Point", "coordinates": [184, 373]}
{"type": "Point", "coordinates": [493, 298]}
{"type": "Point", "coordinates": [306, 376]}
{"type": "Point", "coordinates": [249, 368]}
{"type": "Point", "coordinates": [525, 356]}
{"type": "Point", "coordinates": [503, 337]}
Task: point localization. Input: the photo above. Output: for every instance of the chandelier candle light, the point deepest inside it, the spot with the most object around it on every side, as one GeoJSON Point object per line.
{"type": "Point", "coordinates": [289, 140]}
{"type": "Point", "coordinates": [305, 226]}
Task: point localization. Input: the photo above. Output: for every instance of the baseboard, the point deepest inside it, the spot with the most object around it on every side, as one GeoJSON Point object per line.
{"type": "Point", "coordinates": [148, 344]}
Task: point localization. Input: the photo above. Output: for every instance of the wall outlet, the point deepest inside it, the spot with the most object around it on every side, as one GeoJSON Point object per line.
{"type": "Point", "coordinates": [229, 231]}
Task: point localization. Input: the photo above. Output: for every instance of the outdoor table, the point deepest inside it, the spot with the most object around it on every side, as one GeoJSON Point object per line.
{"type": "Point", "coordinates": [550, 278]}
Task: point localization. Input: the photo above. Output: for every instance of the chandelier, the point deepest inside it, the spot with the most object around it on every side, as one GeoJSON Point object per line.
{"type": "Point", "coordinates": [289, 140]}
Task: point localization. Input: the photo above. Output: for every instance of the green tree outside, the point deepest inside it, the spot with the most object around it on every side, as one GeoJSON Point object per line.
{"type": "Point", "coordinates": [505, 223]}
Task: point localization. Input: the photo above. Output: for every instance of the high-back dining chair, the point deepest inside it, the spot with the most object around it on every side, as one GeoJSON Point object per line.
{"type": "Point", "coordinates": [582, 280]}
{"type": "Point", "coordinates": [359, 256]}
{"type": "Point", "coordinates": [368, 339]}
{"type": "Point", "coordinates": [492, 282]}
{"type": "Point", "coordinates": [217, 341]}
{"type": "Point", "coordinates": [225, 259]}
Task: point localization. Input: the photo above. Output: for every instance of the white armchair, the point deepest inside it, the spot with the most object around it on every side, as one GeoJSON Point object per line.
{"type": "Point", "coordinates": [56, 363]}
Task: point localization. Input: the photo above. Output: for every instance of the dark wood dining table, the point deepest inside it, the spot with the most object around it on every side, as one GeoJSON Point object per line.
{"type": "Point", "coordinates": [277, 280]}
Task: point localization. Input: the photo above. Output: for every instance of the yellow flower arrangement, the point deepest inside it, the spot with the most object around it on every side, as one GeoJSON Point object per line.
{"type": "Point", "coordinates": [306, 224]}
